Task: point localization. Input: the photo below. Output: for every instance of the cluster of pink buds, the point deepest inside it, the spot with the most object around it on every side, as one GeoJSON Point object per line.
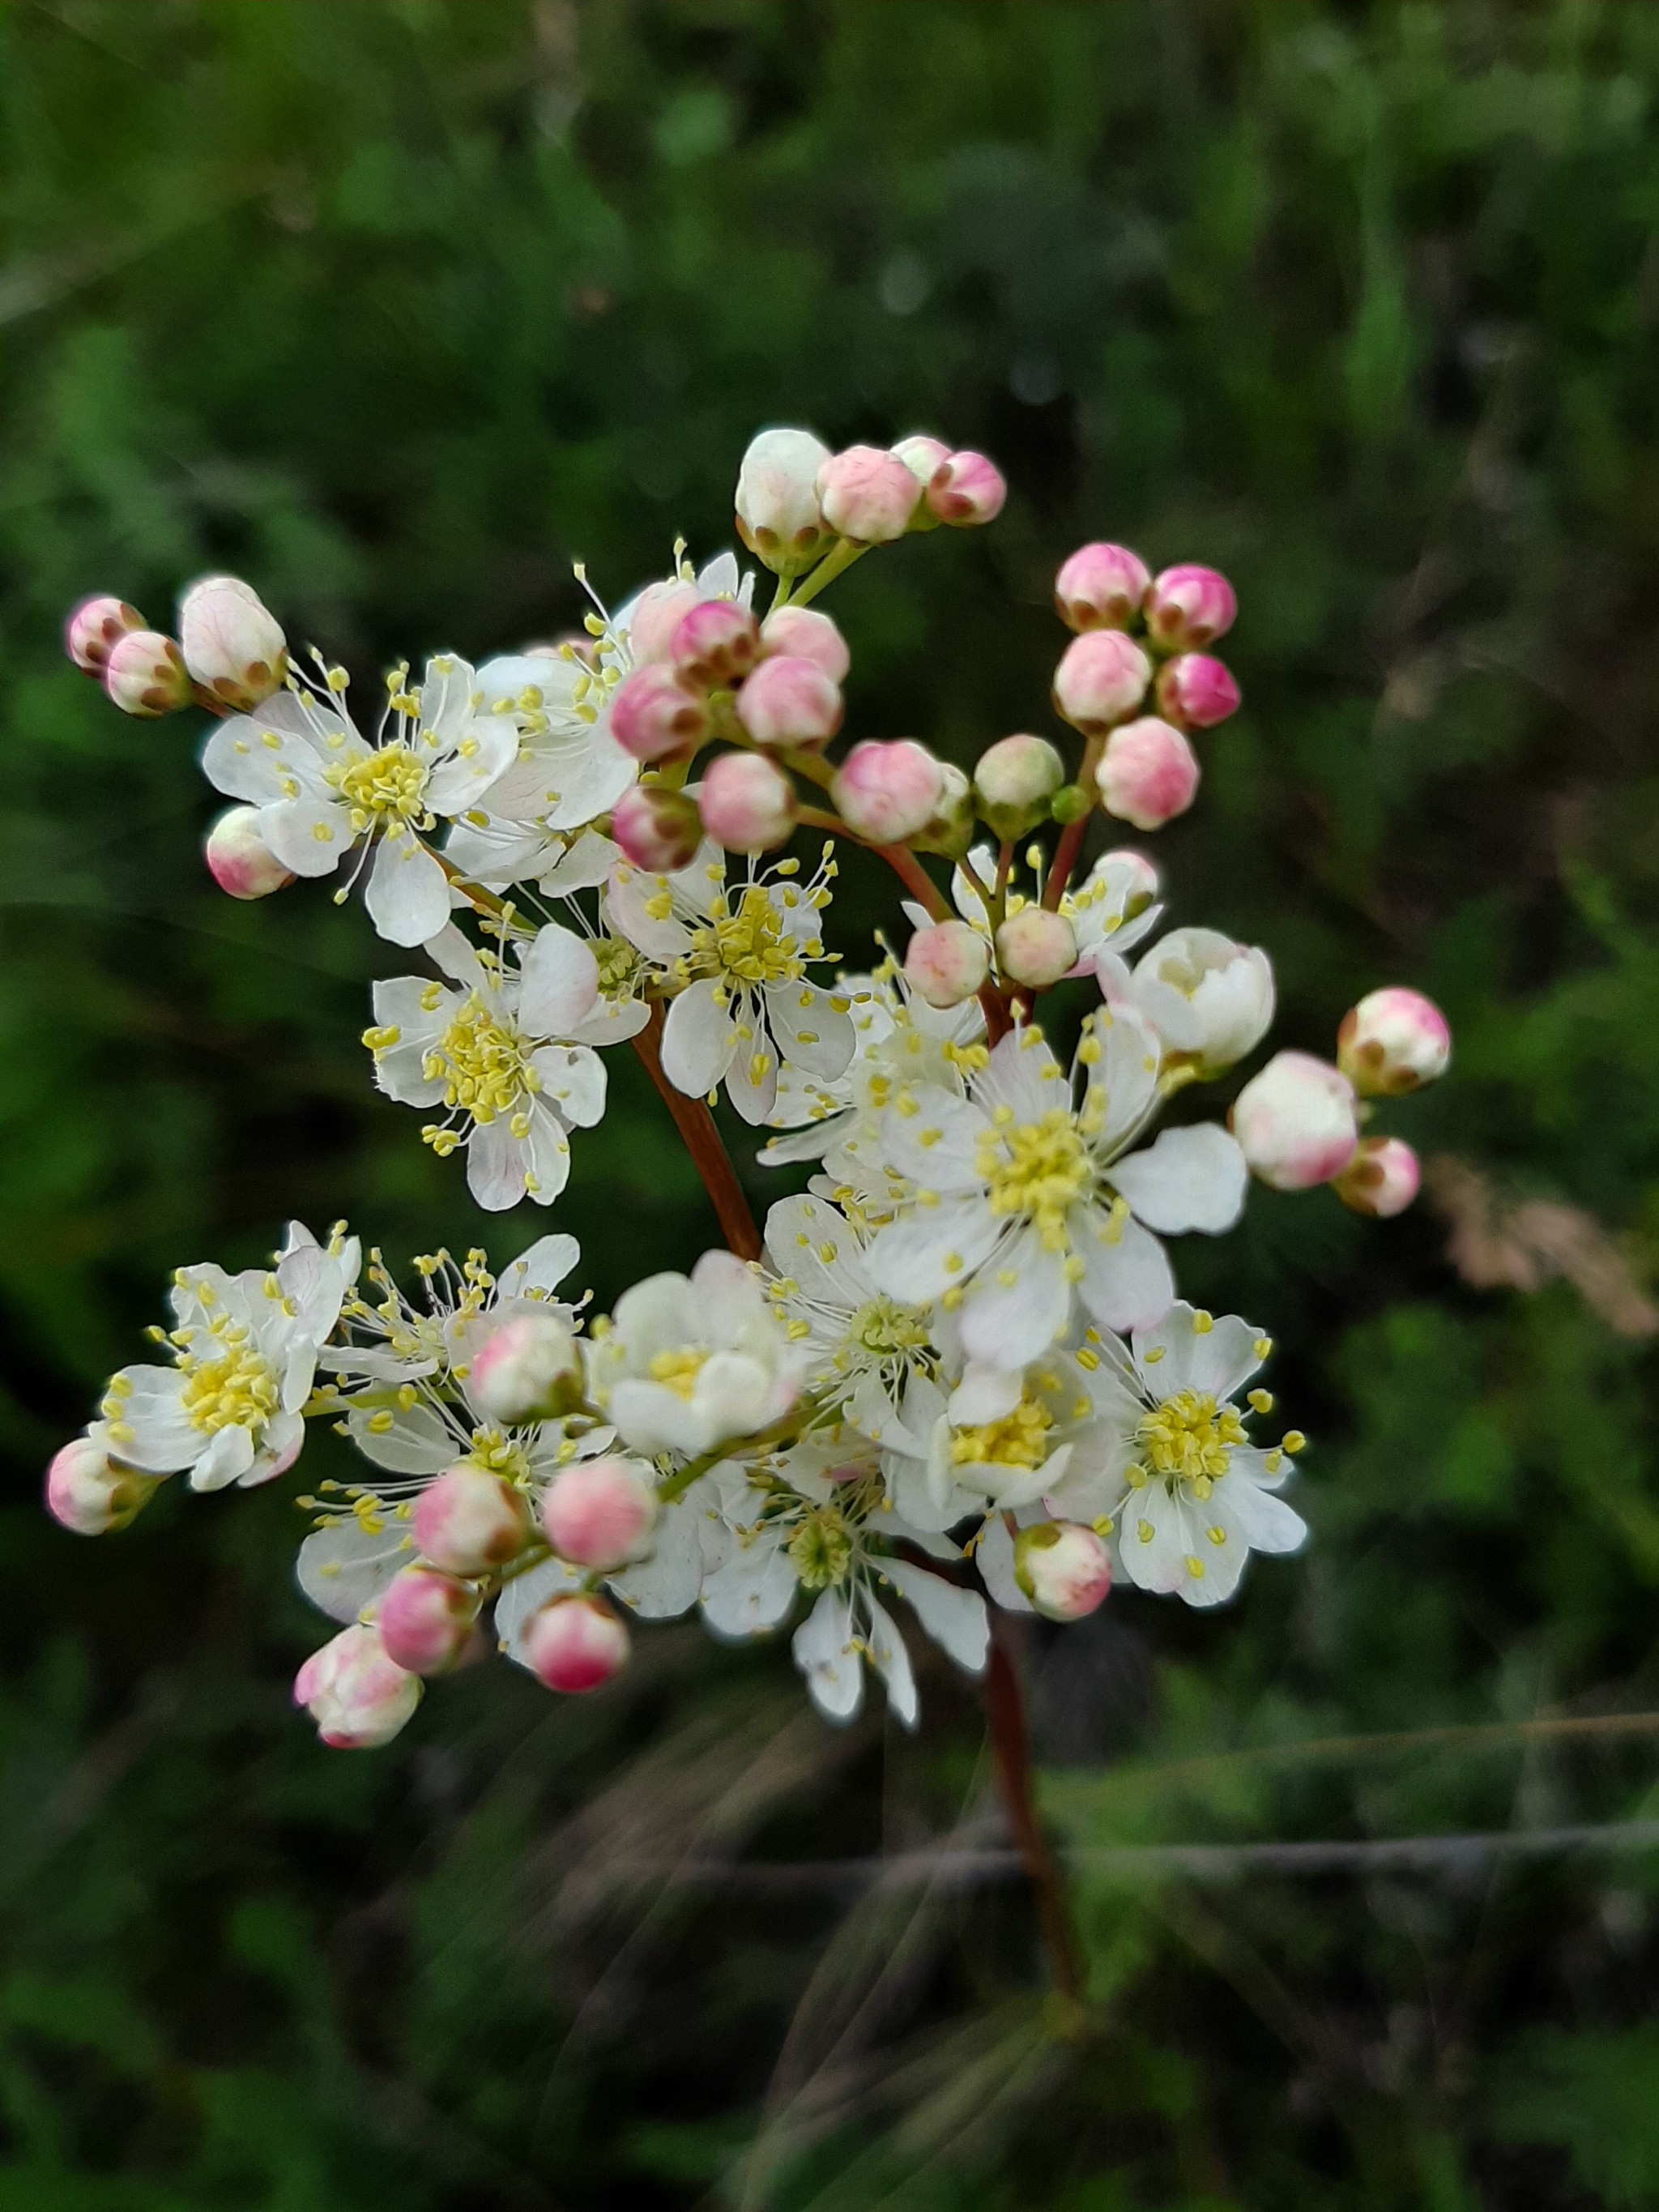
{"type": "Point", "coordinates": [796, 499]}
{"type": "Point", "coordinates": [230, 652]}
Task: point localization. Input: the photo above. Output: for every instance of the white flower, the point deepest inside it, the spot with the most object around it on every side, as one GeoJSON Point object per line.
{"type": "Point", "coordinates": [230, 1408]}
{"type": "Point", "coordinates": [1110, 911]}
{"type": "Point", "coordinates": [740, 956]}
{"type": "Point", "coordinates": [1019, 1196]}
{"type": "Point", "coordinates": [861, 1347]}
{"type": "Point", "coordinates": [322, 788]}
{"type": "Point", "coordinates": [1209, 1000]}
{"type": "Point", "coordinates": [508, 1048]}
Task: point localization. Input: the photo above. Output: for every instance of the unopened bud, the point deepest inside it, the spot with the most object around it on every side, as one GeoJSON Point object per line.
{"type": "Point", "coordinates": [1188, 606]}
{"type": "Point", "coordinates": [1070, 803]}
{"type": "Point", "coordinates": [868, 496]}
{"type": "Point", "coordinates": [658, 830]}
{"type": "Point", "coordinates": [1381, 1179]}
{"type": "Point", "coordinates": [1100, 587]}
{"type": "Point", "coordinates": [92, 1493]}
{"type": "Point", "coordinates": [233, 645]}
{"type": "Point", "coordinates": [655, 717]}
{"type": "Point", "coordinates": [949, 828]}
{"type": "Point", "coordinates": [1036, 947]}
{"type": "Point", "coordinates": [716, 644]}
{"type": "Point", "coordinates": [747, 803]}
{"type": "Point", "coordinates": [654, 619]}
{"type": "Point", "coordinates": [93, 626]}
{"type": "Point", "coordinates": [1195, 690]}
{"type": "Point", "coordinates": [239, 860]}
{"type": "Point", "coordinates": [601, 1513]}
{"type": "Point", "coordinates": [1014, 781]}
{"type": "Point", "coordinates": [807, 635]}
{"type": "Point", "coordinates": [470, 1521]}
{"type": "Point", "coordinates": [145, 674]}
{"type": "Point", "coordinates": [945, 963]}
{"type": "Point", "coordinates": [526, 1369]}
{"type": "Point", "coordinates": [426, 1619]}
{"type": "Point", "coordinates": [888, 790]}
{"type": "Point", "coordinates": [1063, 1568]}
{"type": "Point", "coordinates": [1148, 773]}
{"type": "Point", "coordinates": [355, 1691]}
{"type": "Point", "coordinates": [923, 456]}
{"type": "Point", "coordinates": [1102, 678]}
{"type": "Point", "coordinates": [1394, 1041]}
{"type": "Point", "coordinates": [1295, 1122]}
{"type": "Point", "coordinates": [789, 701]}
{"type": "Point", "coordinates": [778, 516]}
{"type": "Point", "coordinates": [967, 490]}
{"type": "Point", "coordinates": [575, 1643]}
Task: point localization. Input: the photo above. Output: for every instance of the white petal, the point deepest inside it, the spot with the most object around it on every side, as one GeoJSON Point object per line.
{"type": "Point", "coordinates": [812, 1031]}
{"type": "Point", "coordinates": [824, 1652]}
{"type": "Point", "coordinates": [583, 867]}
{"type": "Point", "coordinates": [229, 1456]}
{"type": "Point", "coordinates": [543, 1267]}
{"type": "Point", "coordinates": [1124, 1077]}
{"type": "Point", "coordinates": [495, 1166]}
{"type": "Point", "coordinates": [573, 1081]}
{"type": "Point", "coordinates": [629, 898]}
{"type": "Point", "coordinates": [752, 1593]}
{"type": "Point", "coordinates": [1011, 1321]}
{"type": "Point", "coordinates": [1193, 1178]}
{"type": "Point", "coordinates": [527, 1594]}
{"type": "Point", "coordinates": [309, 834]}
{"type": "Point", "coordinates": [546, 1154]}
{"type": "Point", "coordinates": [751, 1078]}
{"type": "Point", "coordinates": [343, 1569]}
{"type": "Point", "coordinates": [561, 981]}
{"type": "Point", "coordinates": [417, 1442]}
{"type": "Point", "coordinates": [665, 1585]}
{"type": "Point", "coordinates": [954, 1617]}
{"type": "Point", "coordinates": [892, 1662]}
{"type": "Point", "coordinates": [408, 894]}
{"type": "Point", "coordinates": [1125, 1285]}
{"type": "Point", "coordinates": [908, 1258]}
{"type": "Point", "coordinates": [1174, 1354]}
{"type": "Point", "coordinates": [698, 1040]}
{"type": "Point", "coordinates": [986, 1393]}
{"type": "Point", "coordinates": [994, 1555]}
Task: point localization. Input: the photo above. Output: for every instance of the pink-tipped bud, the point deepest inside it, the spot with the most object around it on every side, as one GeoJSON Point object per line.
{"type": "Point", "coordinates": [789, 701]}
{"type": "Point", "coordinates": [355, 1691]}
{"type": "Point", "coordinates": [923, 456]}
{"type": "Point", "coordinates": [239, 860]}
{"type": "Point", "coordinates": [1102, 678]}
{"type": "Point", "coordinates": [470, 1521]}
{"type": "Point", "coordinates": [1381, 1179]}
{"type": "Point", "coordinates": [717, 643]}
{"type": "Point", "coordinates": [1295, 1122]}
{"type": "Point", "coordinates": [91, 1494]}
{"type": "Point", "coordinates": [1014, 781]}
{"type": "Point", "coordinates": [867, 495]}
{"type": "Point", "coordinates": [233, 645]}
{"type": "Point", "coordinates": [1148, 773]}
{"type": "Point", "coordinates": [527, 1369]}
{"type": "Point", "coordinates": [887, 791]}
{"type": "Point", "coordinates": [93, 626]}
{"type": "Point", "coordinates": [1189, 606]}
{"type": "Point", "coordinates": [601, 1513]}
{"type": "Point", "coordinates": [748, 803]}
{"type": "Point", "coordinates": [778, 517]}
{"type": "Point", "coordinates": [1394, 1041]}
{"type": "Point", "coordinates": [807, 635]}
{"type": "Point", "coordinates": [659, 829]}
{"type": "Point", "coordinates": [1100, 587]}
{"type": "Point", "coordinates": [575, 1643]}
{"type": "Point", "coordinates": [654, 619]}
{"type": "Point", "coordinates": [945, 963]}
{"type": "Point", "coordinates": [426, 1619]}
{"type": "Point", "coordinates": [1196, 691]}
{"type": "Point", "coordinates": [655, 717]}
{"type": "Point", "coordinates": [967, 490]}
{"type": "Point", "coordinates": [1036, 947]}
{"type": "Point", "coordinates": [145, 674]}
{"type": "Point", "coordinates": [1063, 1568]}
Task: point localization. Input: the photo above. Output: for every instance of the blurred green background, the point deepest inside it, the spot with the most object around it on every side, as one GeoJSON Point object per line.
{"type": "Point", "coordinates": [395, 306]}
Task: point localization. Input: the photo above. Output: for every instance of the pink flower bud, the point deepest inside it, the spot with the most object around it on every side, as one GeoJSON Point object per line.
{"type": "Point", "coordinates": [239, 860]}
{"type": "Point", "coordinates": [1189, 606]}
{"type": "Point", "coordinates": [748, 803]}
{"type": "Point", "coordinates": [946, 963]}
{"type": "Point", "coordinates": [145, 675]}
{"type": "Point", "coordinates": [923, 456]}
{"type": "Point", "coordinates": [1295, 1122]}
{"type": "Point", "coordinates": [470, 1521]}
{"type": "Point", "coordinates": [655, 616]}
{"type": "Point", "coordinates": [527, 1369]}
{"type": "Point", "coordinates": [1195, 690]}
{"type": "Point", "coordinates": [1381, 1179]}
{"type": "Point", "coordinates": [1063, 1568]}
{"type": "Point", "coordinates": [1392, 1041]}
{"type": "Point", "coordinates": [358, 1695]}
{"type": "Point", "coordinates": [966, 490]}
{"type": "Point", "coordinates": [233, 645]}
{"type": "Point", "coordinates": [1100, 587]}
{"type": "Point", "coordinates": [888, 791]}
{"type": "Point", "coordinates": [778, 517]}
{"type": "Point", "coordinates": [93, 626]}
{"type": "Point", "coordinates": [789, 701]}
{"type": "Point", "coordinates": [867, 495]}
{"type": "Point", "coordinates": [1036, 947]}
{"type": "Point", "coordinates": [601, 1513]}
{"type": "Point", "coordinates": [716, 644]}
{"type": "Point", "coordinates": [1102, 678]}
{"type": "Point", "coordinates": [91, 1494]}
{"type": "Point", "coordinates": [659, 829]}
{"type": "Point", "coordinates": [655, 717]}
{"type": "Point", "coordinates": [1148, 773]}
{"type": "Point", "coordinates": [805, 634]}
{"type": "Point", "coordinates": [426, 1619]}
{"type": "Point", "coordinates": [575, 1643]}
{"type": "Point", "coordinates": [1014, 781]}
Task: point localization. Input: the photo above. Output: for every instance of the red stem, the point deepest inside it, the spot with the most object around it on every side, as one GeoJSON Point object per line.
{"type": "Point", "coordinates": [702, 1140]}
{"type": "Point", "coordinates": [1072, 836]}
{"type": "Point", "coordinates": [1005, 1713]}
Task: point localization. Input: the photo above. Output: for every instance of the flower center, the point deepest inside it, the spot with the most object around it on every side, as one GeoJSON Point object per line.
{"type": "Point", "coordinates": [498, 1454]}
{"type": "Point", "coordinates": [679, 1370]}
{"type": "Point", "coordinates": [821, 1549]}
{"type": "Point", "coordinates": [481, 1063]}
{"type": "Point", "coordinates": [885, 1326]}
{"type": "Point", "coordinates": [1038, 1168]}
{"type": "Point", "coordinates": [1189, 1438]}
{"type": "Point", "coordinates": [748, 946]}
{"type": "Point", "coordinates": [619, 966]}
{"type": "Point", "coordinates": [235, 1389]}
{"type": "Point", "coordinates": [1019, 1439]}
{"type": "Point", "coordinates": [385, 787]}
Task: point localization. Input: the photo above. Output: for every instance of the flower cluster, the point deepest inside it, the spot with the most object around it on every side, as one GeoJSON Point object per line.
{"type": "Point", "coordinates": [954, 1375]}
